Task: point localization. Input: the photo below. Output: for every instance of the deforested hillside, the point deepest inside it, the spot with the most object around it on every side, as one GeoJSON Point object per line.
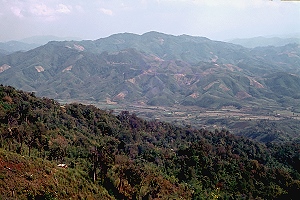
{"type": "Point", "coordinates": [157, 69]}
{"type": "Point", "coordinates": [125, 157]}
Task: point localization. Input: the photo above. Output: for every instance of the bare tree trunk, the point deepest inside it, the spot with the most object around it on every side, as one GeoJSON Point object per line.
{"type": "Point", "coordinates": [29, 148]}
{"type": "Point", "coordinates": [94, 174]}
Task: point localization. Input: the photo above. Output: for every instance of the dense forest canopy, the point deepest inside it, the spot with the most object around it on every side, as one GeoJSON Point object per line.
{"type": "Point", "coordinates": [125, 157]}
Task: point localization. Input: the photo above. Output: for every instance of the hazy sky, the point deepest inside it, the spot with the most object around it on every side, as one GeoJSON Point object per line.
{"type": "Point", "coordinates": [92, 19]}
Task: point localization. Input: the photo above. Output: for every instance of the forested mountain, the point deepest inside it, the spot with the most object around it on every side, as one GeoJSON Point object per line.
{"type": "Point", "coordinates": [158, 69]}
{"type": "Point", "coordinates": [13, 46]}
{"type": "Point", "coordinates": [125, 157]}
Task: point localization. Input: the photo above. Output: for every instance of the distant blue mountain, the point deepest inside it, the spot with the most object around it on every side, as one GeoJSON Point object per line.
{"type": "Point", "coordinates": [44, 39]}
{"type": "Point", "coordinates": [13, 46]}
{"type": "Point", "coordinates": [29, 43]}
{"type": "Point", "coordinates": [265, 41]}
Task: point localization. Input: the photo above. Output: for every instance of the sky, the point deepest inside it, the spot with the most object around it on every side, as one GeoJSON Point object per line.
{"type": "Point", "coordinates": [93, 19]}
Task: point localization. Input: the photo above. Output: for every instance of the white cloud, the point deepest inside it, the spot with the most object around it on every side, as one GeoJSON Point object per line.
{"type": "Point", "coordinates": [48, 12]}
{"type": "Point", "coordinates": [211, 18]}
{"type": "Point", "coordinates": [17, 12]}
{"type": "Point", "coordinates": [106, 11]}
{"type": "Point", "coordinates": [41, 10]}
{"type": "Point", "coordinates": [63, 9]}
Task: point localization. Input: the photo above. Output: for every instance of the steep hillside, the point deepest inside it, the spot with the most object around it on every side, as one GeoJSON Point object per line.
{"type": "Point", "coordinates": [125, 157]}
{"type": "Point", "coordinates": [156, 69]}
{"type": "Point", "coordinates": [25, 177]}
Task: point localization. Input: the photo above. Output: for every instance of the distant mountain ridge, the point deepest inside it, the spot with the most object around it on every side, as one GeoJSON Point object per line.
{"type": "Point", "coordinates": [44, 39]}
{"type": "Point", "coordinates": [13, 46]}
{"type": "Point", "coordinates": [265, 41]}
{"type": "Point", "coordinates": [158, 69]}
{"type": "Point", "coordinates": [29, 43]}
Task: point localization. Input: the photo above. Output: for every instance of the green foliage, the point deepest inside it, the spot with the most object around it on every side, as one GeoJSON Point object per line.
{"type": "Point", "coordinates": [126, 157]}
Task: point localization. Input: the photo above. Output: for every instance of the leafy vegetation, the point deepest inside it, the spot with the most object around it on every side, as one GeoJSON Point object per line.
{"type": "Point", "coordinates": [125, 157]}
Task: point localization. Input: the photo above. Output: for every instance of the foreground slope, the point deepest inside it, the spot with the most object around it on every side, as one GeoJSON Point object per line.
{"type": "Point", "coordinates": [125, 157]}
{"type": "Point", "coordinates": [24, 177]}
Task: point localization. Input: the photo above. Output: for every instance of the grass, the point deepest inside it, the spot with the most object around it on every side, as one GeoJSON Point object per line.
{"type": "Point", "coordinates": [22, 177]}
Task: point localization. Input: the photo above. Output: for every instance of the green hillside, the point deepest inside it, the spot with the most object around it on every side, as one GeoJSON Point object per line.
{"type": "Point", "coordinates": [159, 70]}
{"type": "Point", "coordinates": [125, 157]}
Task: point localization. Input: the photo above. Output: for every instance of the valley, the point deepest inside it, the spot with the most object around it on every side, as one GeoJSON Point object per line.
{"type": "Point", "coordinates": [230, 118]}
{"type": "Point", "coordinates": [186, 80]}
{"type": "Point", "coordinates": [188, 114]}
{"type": "Point", "coordinates": [150, 116]}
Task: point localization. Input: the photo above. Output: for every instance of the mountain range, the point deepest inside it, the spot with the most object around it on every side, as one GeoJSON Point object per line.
{"type": "Point", "coordinates": [158, 69]}
{"type": "Point", "coordinates": [29, 43]}
{"type": "Point", "coordinates": [13, 46]}
{"type": "Point", "coordinates": [265, 41]}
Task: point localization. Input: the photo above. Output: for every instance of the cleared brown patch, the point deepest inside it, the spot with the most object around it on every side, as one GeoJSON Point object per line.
{"type": "Point", "coordinates": [232, 67]}
{"type": "Point", "coordinates": [224, 88]}
{"type": "Point", "coordinates": [68, 68]}
{"type": "Point", "coordinates": [121, 95]}
{"type": "Point", "coordinates": [242, 95]}
{"type": "Point", "coordinates": [255, 83]}
{"type": "Point", "coordinates": [210, 85]}
{"type": "Point", "coordinates": [109, 102]}
{"type": "Point", "coordinates": [195, 95]}
{"type": "Point", "coordinates": [39, 69]}
{"type": "Point", "coordinates": [78, 47]}
{"type": "Point", "coordinates": [4, 67]}
{"type": "Point", "coordinates": [208, 72]}
{"type": "Point", "coordinates": [132, 80]}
